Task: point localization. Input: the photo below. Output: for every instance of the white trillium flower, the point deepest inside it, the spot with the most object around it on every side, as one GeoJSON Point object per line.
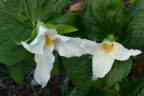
{"type": "Point", "coordinates": [43, 45]}
{"type": "Point", "coordinates": [104, 55]}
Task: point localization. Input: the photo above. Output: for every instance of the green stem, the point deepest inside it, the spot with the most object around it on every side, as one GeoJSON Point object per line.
{"type": "Point", "coordinates": [142, 64]}
{"type": "Point", "coordinates": [52, 89]}
{"type": "Point", "coordinates": [5, 78]}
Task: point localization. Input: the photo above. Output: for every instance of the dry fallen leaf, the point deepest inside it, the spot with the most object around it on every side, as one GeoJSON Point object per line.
{"type": "Point", "coordinates": [77, 6]}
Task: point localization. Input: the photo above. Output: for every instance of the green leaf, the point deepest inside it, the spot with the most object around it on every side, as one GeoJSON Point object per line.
{"type": "Point", "coordinates": [19, 70]}
{"type": "Point", "coordinates": [17, 20]}
{"type": "Point", "coordinates": [104, 17]}
{"type": "Point", "coordinates": [135, 88]}
{"type": "Point", "coordinates": [69, 19]}
{"type": "Point", "coordinates": [61, 29]}
{"type": "Point", "coordinates": [134, 33]}
{"type": "Point", "coordinates": [57, 65]}
{"type": "Point", "coordinates": [119, 71]}
{"type": "Point", "coordinates": [79, 70]}
{"type": "Point", "coordinates": [76, 92]}
{"type": "Point", "coordinates": [95, 90]}
{"type": "Point", "coordinates": [33, 35]}
{"type": "Point", "coordinates": [123, 87]}
{"type": "Point", "coordinates": [133, 1]}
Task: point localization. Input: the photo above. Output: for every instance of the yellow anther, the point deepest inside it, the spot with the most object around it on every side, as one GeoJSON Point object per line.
{"type": "Point", "coordinates": [47, 39]}
{"type": "Point", "coordinates": [107, 47]}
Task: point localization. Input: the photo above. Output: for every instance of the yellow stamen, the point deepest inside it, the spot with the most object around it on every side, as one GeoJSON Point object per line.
{"type": "Point", "coordinates": [107, 47]}
{"type": "Point", "coordinates": [47, 39]}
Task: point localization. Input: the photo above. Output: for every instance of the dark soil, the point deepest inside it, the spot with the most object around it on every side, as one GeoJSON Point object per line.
{"type": "Point", "coordinates": [10, 88]}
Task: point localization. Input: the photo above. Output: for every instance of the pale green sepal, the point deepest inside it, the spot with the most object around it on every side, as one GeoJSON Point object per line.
{"type": "Point", "coordinates": [19, 43]}
{"type": "Point", "coordinates": [39, 23]}
{"type": "Point", "coordinates": [90, 56]}
{"type": "Point", "coordinates": [33, 35]}
{"type": "Point", "coordinates": [60, 28]}
{"type": "Point", "coordinates": [110, 38]}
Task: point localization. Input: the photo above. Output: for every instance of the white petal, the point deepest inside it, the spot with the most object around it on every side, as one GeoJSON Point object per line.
{"type": "Point", "coordinates": [42, 30]}
{"type": "Point", "coordinates": [44, 65]}
{"type": "Point", "coordinates": [119, 52]}
{"type": "Point", "coordinates": [68, 48]}
{"type": "Point", "coordinates": [36, 46]}
{"type": "Point", "coordinates": [57, 36]}
{"type": "Point", "coordinates": [101, 65]}
{"type": "Point", "coordinates": [52, 33]}
{"type": "Point", "coordinates": [91, 47]}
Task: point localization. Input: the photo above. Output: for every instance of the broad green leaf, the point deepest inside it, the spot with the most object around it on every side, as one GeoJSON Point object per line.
{"type": "Point", "coordinates": [79, 70]}
{"type": "Point", "coordinates": [19, 70]}
{"type": "Point", "coordinates": [69, 19]}
{"type": "Point", "coordinates": [133, 1]}
{"type": "Point", "coordinates": [135, 88]}
{"type": "Point", "coordinates": [61, 29]}
{"type": "Point", "coordinates": [123, 86]}
{"type": "Point", "coordinates": [76, 92]}
{"type": "Point", "coordinates": [33, 35]}
{"type": "Point", "coordinates": [104, 17]}
{"type": "Point", "coordinates": [57, 65]}
{"type": "Point", "coordinates": [119, 71]}
{"type": "Point", "coordinates": [17, 20]}
{"type": "Point", "coordinates": [134, 33]}
{"type": "Point", "coordinates": [95, 90]}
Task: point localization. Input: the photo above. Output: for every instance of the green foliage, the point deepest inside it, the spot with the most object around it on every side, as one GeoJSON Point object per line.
{"type": "Point", "coordinates": [133, 1]}
{"type": "Point", "coordinates": [61, 29]}
{"type": "Point", "coordinates": [79, 70]}
{"type": "Point", "coordinates": [122, 87]}
{"type": "Point", "coordinates": [95, 90]}
{"type": "Point", "coordinates": [18, 19]}
{"type": "Point", "coordinates": [119, 71]}
{"type": "Point", "coordinates": [135, 88]}
{"type": "Point", "coordinates": [104, 17]}
{"type": "Point", "coordinates": [76, 92]}
{"type": "Point", "coordinates": [57, 65]}
{"type": "Point", "coordinates": [65, 88]}
{"type": "Point", "coordinates": [69, 19]}
{"type": "Point", "coordinates": [134, 34]}
{"type": "Point", "coordinates": [19, 70]}
{"type": "Point", "coordinates": [33, 35]}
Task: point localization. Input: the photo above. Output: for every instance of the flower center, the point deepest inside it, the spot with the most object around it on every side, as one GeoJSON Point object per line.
{"type": "Point", "coordinates": [107, 47]}
{"type": "Point", "coordinates": [47, 39]}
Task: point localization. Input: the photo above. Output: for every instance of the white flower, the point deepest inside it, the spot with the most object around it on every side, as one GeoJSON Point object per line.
{"type": "Point", "coordinates": [104, 55]}
{"type": "Point", "coordinates": [43, 45]}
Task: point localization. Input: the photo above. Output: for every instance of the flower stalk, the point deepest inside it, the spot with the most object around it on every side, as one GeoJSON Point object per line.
{"type": "Point", "coordinates": [52, 89]}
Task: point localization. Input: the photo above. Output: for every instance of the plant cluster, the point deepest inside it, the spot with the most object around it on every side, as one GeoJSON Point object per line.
{"type": "Point", "coordinates": [95, 50]}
